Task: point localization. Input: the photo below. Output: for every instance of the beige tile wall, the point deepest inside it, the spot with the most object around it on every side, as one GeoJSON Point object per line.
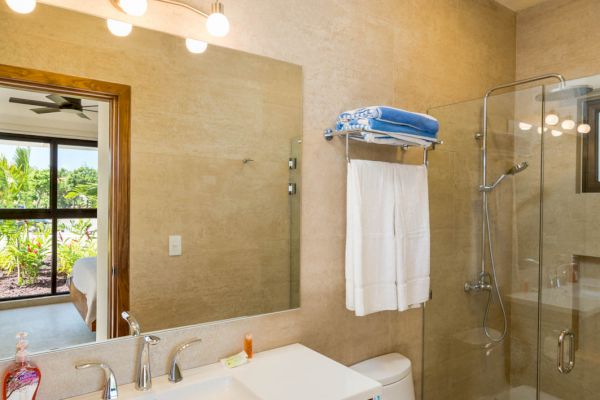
{"type": "Point", "coordinates": [414, 53]}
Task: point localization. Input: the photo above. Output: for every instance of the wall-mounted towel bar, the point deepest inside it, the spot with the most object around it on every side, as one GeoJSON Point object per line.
{"type": "Point", "coordinates": [368, 136]}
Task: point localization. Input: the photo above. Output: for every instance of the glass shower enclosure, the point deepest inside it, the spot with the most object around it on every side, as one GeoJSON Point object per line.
{"type": "Point", "coordinates": [543, 286]}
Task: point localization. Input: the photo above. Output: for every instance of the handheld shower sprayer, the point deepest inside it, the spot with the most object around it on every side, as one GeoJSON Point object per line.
{"type": "Point", "coordinates": [515, 169]}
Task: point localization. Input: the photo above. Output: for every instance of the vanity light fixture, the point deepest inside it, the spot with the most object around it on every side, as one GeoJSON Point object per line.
{"type": "Point", "coordinates": [524, 126]}
{"type": "Point", "coordinates": [552, 119]}
{"type": "Point", "coordinates": [196, 46]}
{"type": "Point", "coordinates": [119, 28]}
{"type": "Point", "coordinates": [568, 124]}
{"type": "Point", "coordinates": [217, 23]}
{"type": "Point", "coordinates": [22, 6]}
{"type": "Point", "coordinates": [584, 128]}
{"type": "Point", "coordinates": [135, 8]}
{"type": "Point", "coordinates": [556, 133]}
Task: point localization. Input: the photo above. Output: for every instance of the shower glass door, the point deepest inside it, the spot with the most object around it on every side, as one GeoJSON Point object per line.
{"type": "Point", "coordinates": [460, 360]}
{"type": "Point", "coordinates": [570, 301]}
{"type": "Point", "coordinates": [545, 229]}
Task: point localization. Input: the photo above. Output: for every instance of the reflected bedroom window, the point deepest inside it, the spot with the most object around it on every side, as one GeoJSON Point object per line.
{"type": "Point", "coordinates": [48, 200]}
{"type": "Point", "coordinates": [590, 165]}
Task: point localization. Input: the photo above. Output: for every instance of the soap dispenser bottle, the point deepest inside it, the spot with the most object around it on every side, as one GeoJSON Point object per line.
{"type": "Point", "coordinates": [22, 379]}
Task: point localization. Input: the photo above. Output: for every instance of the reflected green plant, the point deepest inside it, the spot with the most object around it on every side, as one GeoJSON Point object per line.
{"type": "Point", "coordinates": [76, 239]}
{"type": "Point", "coordinates": [25, 247]}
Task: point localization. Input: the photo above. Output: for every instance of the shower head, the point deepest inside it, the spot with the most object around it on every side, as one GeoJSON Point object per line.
{"type": "Point", "coordinates": [520, 167]}
{"type": "Point", "coordinates": [515, 169]}
{"type": "Point", "coordinates": [565, 93]}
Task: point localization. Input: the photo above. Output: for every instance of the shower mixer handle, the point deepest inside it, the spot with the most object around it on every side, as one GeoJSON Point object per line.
{"type": "Point", "coordinates": [477, 286]}
{"type": "Point", "coordinates": [480, 285]}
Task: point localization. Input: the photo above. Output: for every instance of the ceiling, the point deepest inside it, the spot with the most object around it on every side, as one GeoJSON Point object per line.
{"type": "Point", "coordinates": [518, 5]}
{"type": "Point", "coordinates": [18, 118]}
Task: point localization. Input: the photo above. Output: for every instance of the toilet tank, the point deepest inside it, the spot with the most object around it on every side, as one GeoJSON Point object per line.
{"type": "Point", "coordinates": [394, 372]}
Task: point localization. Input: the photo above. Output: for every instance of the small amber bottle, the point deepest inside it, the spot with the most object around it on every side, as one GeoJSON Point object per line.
{"type": "Point", "coordinates": [248, 345]}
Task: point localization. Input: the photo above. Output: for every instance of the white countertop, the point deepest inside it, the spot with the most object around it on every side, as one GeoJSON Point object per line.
{"type": "Point", "coordinates": [292, 372]}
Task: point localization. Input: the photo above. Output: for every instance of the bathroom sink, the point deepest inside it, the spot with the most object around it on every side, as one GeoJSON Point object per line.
{"type": "Point", "coordinates": [292, 372]}
{"type": "Point", "coordinates": [221, 388]}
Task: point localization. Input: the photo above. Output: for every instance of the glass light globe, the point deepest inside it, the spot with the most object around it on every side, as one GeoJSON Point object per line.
{"type": "Point", "coordinates": [556, 133]}
{"type": "Point", "coordinates": [217, 24]}
{"type": "Point", "coordinates": [568, 124]}
{"type": "Point", "coordinates": [137, 8]}
{"type": "Point", "coordinates": [524, 126]}
{"type": "Point", "coordinates": [22, 6]}
{"type": "Point", "coordinates": [584, 128]}
{"type": "Point", "coordinates": [119, 28]}
{"type": "Point", "coordinates": [539, 130]}
{"type": "Point", "coordinates": [195, 46]}
{"type": "Point", "coordinates": [552, 119]}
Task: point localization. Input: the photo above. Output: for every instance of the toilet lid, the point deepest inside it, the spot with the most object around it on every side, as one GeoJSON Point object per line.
{"type": "Point", "coordinates": [386, 369]}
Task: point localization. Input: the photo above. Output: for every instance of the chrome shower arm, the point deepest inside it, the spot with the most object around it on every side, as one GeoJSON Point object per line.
{"type": "Point", "coordinates": [559, 77]}
{"type": "Point", "coordinates": [484, 184]}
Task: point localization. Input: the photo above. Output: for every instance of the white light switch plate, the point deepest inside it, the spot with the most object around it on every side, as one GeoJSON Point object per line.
{"type": "Point", "coordinates": [175, 245]}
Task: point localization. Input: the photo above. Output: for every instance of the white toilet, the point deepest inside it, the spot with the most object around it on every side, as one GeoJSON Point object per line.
{"type": "Point", "coordinates": [394, 372]}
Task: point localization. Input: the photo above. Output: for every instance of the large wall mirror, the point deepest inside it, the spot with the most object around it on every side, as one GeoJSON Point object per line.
{"type": "Point", "coordinates": [214, 150]}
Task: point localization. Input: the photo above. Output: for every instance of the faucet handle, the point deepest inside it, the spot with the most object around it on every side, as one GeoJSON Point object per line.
{"type": "Point", "coordinates": [111, 391]}
{"type": "Point", "coordinates": [175, 372]}
{"type": "Point", "coordinates": [151, 339]}
{"type": "Point", "coordinates": [134, 325]}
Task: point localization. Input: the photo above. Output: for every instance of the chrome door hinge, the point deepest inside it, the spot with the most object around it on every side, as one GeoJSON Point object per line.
{"type": "Point", "coordinates": [292, 162]}
{"type": "Point", "coordinates": [291, 188]}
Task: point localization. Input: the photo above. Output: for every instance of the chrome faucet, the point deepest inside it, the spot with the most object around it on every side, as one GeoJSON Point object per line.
{"type": "Point", "coordinates": [175, 372]}
{"type": "Point", "coordinates": [111, 391]}
{"type": "Point", "coordinates": [143, 380]}
{"type": "Point", "coordinates": [134, 325]}
{"type": "Point", "coordinates": [480, 285]}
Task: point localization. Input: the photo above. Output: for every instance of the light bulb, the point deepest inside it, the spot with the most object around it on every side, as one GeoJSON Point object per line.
{"type": "Point", "coordinates": [524, 126]}
{"type": "Point", "coordinates": [137, 8]}
{"type": "Point", "coordinates": [568, 124]}
{"type": "Point", "coordinates": [539, 130]}
{"type": "Point", "coordinates": [22, 6]}
{"type": "Point", "coordinates": [119, 28]}
{"type": "Point", "coordinates": [556, 133]}
{"type": "Point", "coordinates": [195, 46]}
{"type": "Point", "coordinates": [584, 128]}
{"type": "Point", "coordinates": [552, 119]}
{"type": "Point", "coordinates": [217, 24]}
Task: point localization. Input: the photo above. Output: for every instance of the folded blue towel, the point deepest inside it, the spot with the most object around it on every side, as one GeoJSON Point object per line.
{"type": "Point", "coordinates": [388, 119]}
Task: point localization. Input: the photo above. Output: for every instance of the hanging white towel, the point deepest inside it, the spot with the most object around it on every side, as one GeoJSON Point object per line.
{"type": "Point", "coordinates": [411, 221]}
{"type": "Point", "coordinates": [387, 237]}
{"type": "Point", "coordinates": [370, 239]}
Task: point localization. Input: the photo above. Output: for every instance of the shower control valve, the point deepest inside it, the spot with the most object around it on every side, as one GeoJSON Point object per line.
{"type": "Point", "coordinates": [480, 285]}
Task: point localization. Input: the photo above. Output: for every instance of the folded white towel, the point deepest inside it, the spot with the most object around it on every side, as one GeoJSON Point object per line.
{"type": "Point", "coordinates": [387, 237]}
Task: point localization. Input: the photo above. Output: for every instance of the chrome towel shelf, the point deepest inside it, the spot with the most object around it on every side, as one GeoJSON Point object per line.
{"type": "Point", "coordinates": [360, 134]}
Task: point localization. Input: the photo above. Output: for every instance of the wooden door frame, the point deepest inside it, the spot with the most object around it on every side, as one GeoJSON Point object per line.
{"type": "Point", "coordinates": [119, 98]}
